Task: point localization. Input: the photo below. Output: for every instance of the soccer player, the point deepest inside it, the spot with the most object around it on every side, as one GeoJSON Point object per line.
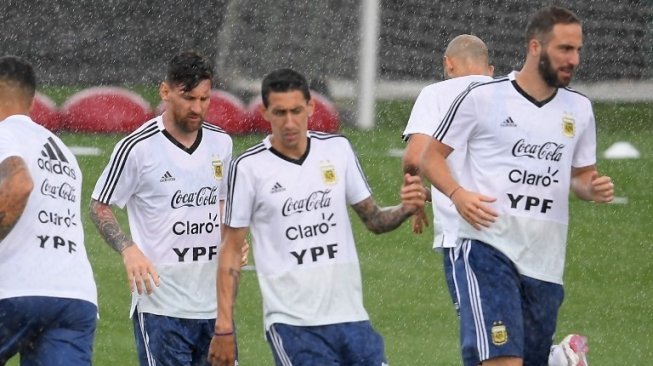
{"type": "Point", "coordinates": [465, 61]}
{"type": "Point", "coordinates": [171, 175]}
{"type": "Point", "coordinates": [48, 298]}
{"type": "Point", "coordinates": [529, 139]}
{"type": "Point", "coordinates": [293, 190]}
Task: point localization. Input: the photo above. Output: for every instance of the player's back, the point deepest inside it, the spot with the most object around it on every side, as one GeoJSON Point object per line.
{"type": "Point", "coordinates": [44, 254]}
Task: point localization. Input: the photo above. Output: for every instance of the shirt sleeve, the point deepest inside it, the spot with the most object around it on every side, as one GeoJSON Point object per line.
{"type": "Point", "coordinates": [7, 147]}
{"type": "Point", "coordinates": [119, 180]}
{"type": "Point", "coordinates": [459, 121]}
{"type": "Point", "coordinates": [226, 166]}
{"type": "Point", "coordinates": [585, 153]}
{"type": "Point", "coordinates": [240, 196]}
{"type": "Point", "coordinates": [357, 188]}
{"type": "Point", "coordinates": [424, 116]}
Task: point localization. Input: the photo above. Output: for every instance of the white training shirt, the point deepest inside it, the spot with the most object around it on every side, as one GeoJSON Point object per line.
{"type": "Point", "coordinates": [44, 254]}
{"type": "Point", "coordinates": [430, 107]}
{"type": "Point", "coordinates": [303, 246]}
{"type": "Point", "coordinates": [521, 152]}
{"type": "Point", "coordinates": [173, 195]}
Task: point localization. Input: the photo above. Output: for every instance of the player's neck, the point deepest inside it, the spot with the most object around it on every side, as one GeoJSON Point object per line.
{"type": "Point", "coordinates": [11, 108]}
{"type": "Point", "coordinates": [186, 138]}
{"type": "Point", "coordinates": [293, 152]}
{"type": "Point", "coordinates": [531, 82]}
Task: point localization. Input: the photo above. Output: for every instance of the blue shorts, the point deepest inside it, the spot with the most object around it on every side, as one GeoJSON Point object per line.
{"type": "Point", "coordinates": [448, 260]}
{"type": "Point", "coordinates": [167, 341]}
{"type": "Point", "coordinates": [354, 344]}
{"type": "Point", "coordinates": [47, 331]}
{"type": "Point", "coordinates": [502, 313]}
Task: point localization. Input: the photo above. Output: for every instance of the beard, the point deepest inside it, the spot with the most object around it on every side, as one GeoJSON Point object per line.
{"type": "Point", "coordinates": [549, 74]}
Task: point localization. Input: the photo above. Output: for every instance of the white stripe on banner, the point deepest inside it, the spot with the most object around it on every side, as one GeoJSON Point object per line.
{"type": "Point", "coordinates": [85, 150]}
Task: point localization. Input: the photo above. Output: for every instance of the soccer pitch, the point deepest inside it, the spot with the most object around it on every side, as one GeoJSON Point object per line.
{"type": "Point", "coordinates": [609, 272]}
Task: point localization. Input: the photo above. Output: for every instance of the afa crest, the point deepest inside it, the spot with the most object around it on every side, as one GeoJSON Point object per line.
{"type": "Point", "coordinates": [568, 126]}
{"type": "Point", "coordinates": [499, 334]}
{"type": "Point", "coordinates": [328, 173]}
{"type": "Point", "coordinates": [217, 168]}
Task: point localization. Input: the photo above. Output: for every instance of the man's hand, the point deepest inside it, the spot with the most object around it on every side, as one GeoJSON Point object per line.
{"type": "Point", "coordinates": [140, 271]}
{"type": "Point", "coordinates": [222, 351]}
{"type": "Point", "coordinates": [419, 220]}
{"type": "Point", "coordinates": [601, 188]}
{"type": "Point", "coordinates": [245, 253]}
{"type": "Point", "coordinates": [473, 207]}
{"type": "Point", "coordinates": [413, 194]}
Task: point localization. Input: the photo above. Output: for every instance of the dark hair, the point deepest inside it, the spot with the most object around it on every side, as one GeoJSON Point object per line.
{"type": "Point", "coordinates": [188, 69]}
{"type": "Point", "coordinates": [542, 22]}
{"type": "Point", "coordinates": [284, 80]}
{"type": "Point", "coordinates": [18, 71]}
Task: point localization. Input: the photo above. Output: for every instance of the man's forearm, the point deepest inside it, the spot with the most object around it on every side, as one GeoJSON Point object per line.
{"type": "Point", "coordinates": [15, 187]}
{"type": "Point", "coordinates": [107, 225]}
{"type": "Point", "coordinates": [380, 219]}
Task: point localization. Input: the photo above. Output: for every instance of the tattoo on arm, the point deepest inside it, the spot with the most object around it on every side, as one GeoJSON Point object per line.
{"type": "Point", "coordinates": [107, 224]}
{"type": "Point", "coordinates": [15, 187]}
{"type": "Point", "coordinates": [5, 229]}
{"type": "Point", "coordinates": [379, 219]}
{"type": "Point", "coordinates": [411, 169]}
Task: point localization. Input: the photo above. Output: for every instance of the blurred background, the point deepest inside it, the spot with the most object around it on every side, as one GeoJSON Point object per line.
{"type": "Point", "coordinates": [125, 42]}
{"type": "Point", "coordinates": [100, 62]}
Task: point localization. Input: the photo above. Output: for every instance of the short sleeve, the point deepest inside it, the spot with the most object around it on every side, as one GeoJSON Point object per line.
{"type": "Point", "coordinates": [119, 180]}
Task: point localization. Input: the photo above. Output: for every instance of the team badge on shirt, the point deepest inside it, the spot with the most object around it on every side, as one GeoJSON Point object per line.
{"type": "Point", "coordinates": [568, 125]}
{"type": "Point", "coordinates": [328, 172]}
{"type": "Point", "coordinates": [217, 168]}
{"type": "Point", "coordinates": [499, 333]}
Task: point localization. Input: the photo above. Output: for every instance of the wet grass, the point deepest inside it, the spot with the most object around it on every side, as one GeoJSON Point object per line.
{"type": "Point", "coordinates": [608, 278]}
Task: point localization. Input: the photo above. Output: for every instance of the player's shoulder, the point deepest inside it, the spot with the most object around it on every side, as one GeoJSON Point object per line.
{"type": "Point", "coordinates": [148, 128]}
{"type": "Point", "coordinates": [575, 95]}
{"type": "Point", "coordinates": [137, 139]}
{"type": "Point", "coordinates": [216, 132]}
{"type": "Point", "coordinates": [214, 129]}
{"type": "Point", "coordinates": [326, 136]}
{"type": "Point", "coordinates": [250, 155]}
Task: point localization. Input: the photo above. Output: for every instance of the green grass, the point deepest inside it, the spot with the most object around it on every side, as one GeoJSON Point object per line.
{"type": "Point", "coordinates": [608, 278]}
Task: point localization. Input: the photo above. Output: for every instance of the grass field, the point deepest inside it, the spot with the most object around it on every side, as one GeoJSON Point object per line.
{"type": "Point", "coordinates": [609, 276]}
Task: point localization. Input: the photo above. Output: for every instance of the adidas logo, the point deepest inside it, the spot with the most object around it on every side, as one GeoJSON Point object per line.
{"type": "Point", "coordinates": [167, 177]}
{"type": "Point", "coordinates": [54, 161]}
{"type": "Point", "coordinates": [52, 151]}
{"type": "Point", "coordinates": [277, 188]}
{"type": "Point", "coordinates": [508, 123]}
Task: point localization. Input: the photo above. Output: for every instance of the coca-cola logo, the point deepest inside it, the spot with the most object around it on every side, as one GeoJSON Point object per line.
{"type": "Point", "coordinates": [203, 197]}
{"type": "Point", "coordinates": [314, 201]}
{"type": "Point", "coordinates": [551, 151]}
{"type": "Point", "coordinates": [64, 191]}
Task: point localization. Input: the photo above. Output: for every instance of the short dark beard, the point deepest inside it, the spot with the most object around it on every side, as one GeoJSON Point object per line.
{"type": "Point", "coordinates": [547, 72]}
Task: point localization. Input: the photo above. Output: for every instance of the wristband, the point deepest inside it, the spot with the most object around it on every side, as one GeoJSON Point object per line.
{"type": "Point", "coordinates": [454, 191]}
{"type": "Point", "coordinates": [218, 334]}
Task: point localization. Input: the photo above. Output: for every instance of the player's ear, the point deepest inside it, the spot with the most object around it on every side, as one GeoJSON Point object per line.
{"type": "Point", "coordinates": [310, 106]}
{"type": "Point", "coordinates": [490, 70]}
{"type": "Point", "coordinates": [448, 65]}
{"type": "Point", "coordinates": [164, 91]}
{"type": "Point", "coordinates": [263, 112]}
{"type": "Point", "coordinates": [534, 47]}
